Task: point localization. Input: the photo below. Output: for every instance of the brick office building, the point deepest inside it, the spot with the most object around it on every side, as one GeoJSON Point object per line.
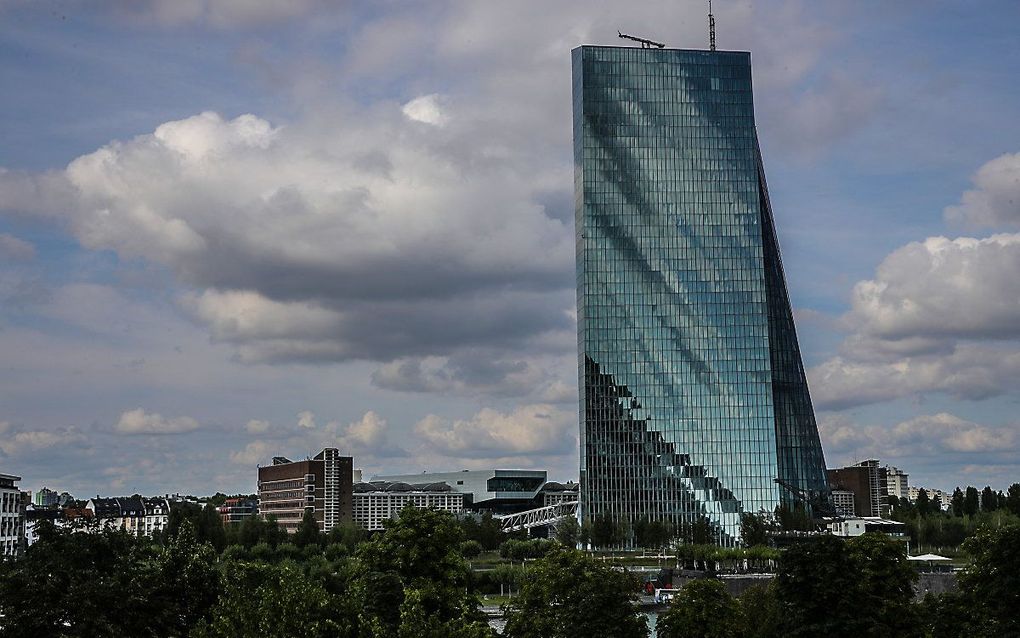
{"type": "Point", "coordinates": [868, 482]}
{"type": "Point", "coordinates": [322, 485]}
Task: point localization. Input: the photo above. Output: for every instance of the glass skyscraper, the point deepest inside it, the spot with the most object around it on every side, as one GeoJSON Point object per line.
{"type": "Point", "coordinates": [693, 394]}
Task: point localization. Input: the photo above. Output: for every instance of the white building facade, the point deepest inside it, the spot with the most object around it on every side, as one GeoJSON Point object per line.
{"type": "Point", "coordinates": [375, 502]}
{"type": "Point", "coordinates": [12, 521]}
{"type": "Point", "coordinates": [897, 482]}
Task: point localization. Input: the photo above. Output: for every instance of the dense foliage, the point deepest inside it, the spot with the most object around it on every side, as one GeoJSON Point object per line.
{"type": "Point", "coordinates": [413, 580]}
{"type": "Point", "coordinates": [932, 528]}
{"type": "Point", "coordinates": [568, 594]}
{"type": "Point", "coordinates": [702, 610]}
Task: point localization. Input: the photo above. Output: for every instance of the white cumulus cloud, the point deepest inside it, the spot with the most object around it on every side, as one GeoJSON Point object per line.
{"type": "Point", "coordinates": [138, 421]}
{"type": "Point", "coordinates": [532, 429]}
{"type": "Point", "coordinates": [941, 315]}
{"type": "Point", "coordinates": [427, 109]}
{"type": "Point", "coordinates": [995, 199]}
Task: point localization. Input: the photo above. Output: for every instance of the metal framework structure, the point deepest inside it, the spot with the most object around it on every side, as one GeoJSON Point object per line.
{"type": "Point", "coordinates": [538, 517]}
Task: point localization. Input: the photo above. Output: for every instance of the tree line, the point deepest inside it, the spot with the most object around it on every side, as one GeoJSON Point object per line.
{"type": "Point", "coordinates": [930, 525]}
{"type": "Point", "coordinates": [413, 581]}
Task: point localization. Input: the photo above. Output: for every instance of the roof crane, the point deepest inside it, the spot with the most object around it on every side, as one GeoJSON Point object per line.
{"type": "Point", "coordinates": [645, 44]}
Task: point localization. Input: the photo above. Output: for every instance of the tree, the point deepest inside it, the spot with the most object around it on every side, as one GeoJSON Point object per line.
{"type": "Point", "coordinates": [922, 503]}
{"type": "Point", "coordinates": [606, 532]}
{"type": "Point", "coordinates": [252, 531]}
{"type": "Point", "coordinates": [470, 549]}
{"type": "Point", "coordinates": [794, 519]}
{"type": "Point", "coordinates": [824, 583]}
{"type": "Point", "coordinates": [1013, 499]}
{"type": "Point", "coordinates": [585, 535]}
{"type": "Point", "coordinates": [704, 609]}
{"type": "Point", "coordinates": [812, 583]}
{"type": "Point", "coordinates": [957, 502]}
{"type": "Point", "coordinates": [568, 531]}
{"type": "Point", "coordinates": [755, 529]}
{"type": "Point", "coordinates": [884, 586]}
{"type": "Point", "coordinates": [279, 601]}
{"type": "Point", "coordinates": [486, 530]}
{"type": "Point", "coordinates": [936, 505]}
{"type": "Point", "coordinates": [308, 532]}
{"type": "Point", "coordinates": [971, 502]}
{"type": "Point", "coordinates": [641, 532]}
{"type": "Point", "coordinates": [417, 622]}
{"type": "Point", "coordinates": [759, 612]}
{"type": "Point", "coordinates": [697, 532]}
{"type": "Point", "coordinates": [346, 535]}
{"type": "Point", "coordinates": [990, 583]}
{"type": "Point", "coordinates": [104, 582]}
{"type": "Point", "coordinates": [989, 499]}
{"type": "Point", "coordinates": [421, 547]}
{"type": "Point", "coordinates": [569, 594]}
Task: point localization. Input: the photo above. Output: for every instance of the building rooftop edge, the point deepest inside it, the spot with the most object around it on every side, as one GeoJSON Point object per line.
{"type": "Point", "coordinates": [623, 46]}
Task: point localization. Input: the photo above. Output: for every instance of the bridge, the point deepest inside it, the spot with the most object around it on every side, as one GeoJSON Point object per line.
{"type": "Point", "coordinates": [538, 517]}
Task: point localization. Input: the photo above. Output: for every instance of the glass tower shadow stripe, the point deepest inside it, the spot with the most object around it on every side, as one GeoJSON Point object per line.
{"type": "Point", "coordinates": [693, 398]}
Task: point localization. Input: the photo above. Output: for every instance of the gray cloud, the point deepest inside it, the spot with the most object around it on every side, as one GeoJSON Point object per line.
{"type": "Point", "coordinates": [479, 372]}
{"type": "Point", "coordinates": [14, 249]}
{"type": "Point", "coordinates": [219, 14]}
{"type": "Point", "coordinates": [939, 450]}
{"type": "Point", "coordinates": [22, 443]}
{"type": "Point", "coordinates": [300, 255]}
{"type": "Point", "coordinates": [995, 199]}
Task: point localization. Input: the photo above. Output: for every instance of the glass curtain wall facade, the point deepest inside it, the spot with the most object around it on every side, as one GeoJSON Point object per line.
{"type": "Point", "coordinates": [693, 395]}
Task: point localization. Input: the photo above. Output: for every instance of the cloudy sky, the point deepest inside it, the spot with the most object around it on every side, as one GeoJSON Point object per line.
{"type": "Point", "coordinates": [231, 229]}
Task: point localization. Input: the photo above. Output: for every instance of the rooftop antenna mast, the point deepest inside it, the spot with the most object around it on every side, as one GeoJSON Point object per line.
{"type": "Point", "coordinates": [645, 44]}
{"type": "Point", "coordinates": [711, 28]}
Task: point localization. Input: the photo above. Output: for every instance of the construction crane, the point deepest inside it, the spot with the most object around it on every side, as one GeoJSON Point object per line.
{"type": "Point", "coordinates": [815, 499]}
{"type": "Point", "coordinates": [645, 44]}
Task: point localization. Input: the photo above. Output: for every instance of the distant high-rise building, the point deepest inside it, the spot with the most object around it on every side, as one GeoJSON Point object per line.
{"type": "Point", "coordinates": [46, 498]}
{"type": "Point", "coordinates": [896, 482]}
{"type": "Point", "coordinates": [867, 480]}
{"type": "Point", "coordinates": [693, 394]}
{"type": "Point", "coordinates": [321, 485]}
{"type": "Point", "coordinates": [843, 503]}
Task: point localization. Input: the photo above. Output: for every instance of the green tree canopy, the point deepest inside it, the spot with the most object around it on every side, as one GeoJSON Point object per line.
{"type": "Point", "coordinates": [704, 609]}
{"type": "Point", "coordinates": [421, 547]}
{"type": "Point", "coordinates": [922, 503]}
{"type": "Point", "coordinates": [825, 584]}
{"type": "Point", "coordinates": [569, 594]}
{"type": "Point", "coordinates": [755, 529]}
{"type": "Point", "coordinates": [308, 532]}
{"type": "Point", "coordinates": [1013, 499]}
{"type": "Point", "coordinates": [957, 502]}
{"type": "Point", "coordinates": [989, 499]}
{"type": "Point", "coordinates": [971, 501]}
{"type": "Point", "coordinates": [990, 584]}
{"type": "Point", "coordinates": [568, 532]}
{"type": "Point", "coordinates": [106, 583]}
{"type": "Point", "coordinates": [260, 600]}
